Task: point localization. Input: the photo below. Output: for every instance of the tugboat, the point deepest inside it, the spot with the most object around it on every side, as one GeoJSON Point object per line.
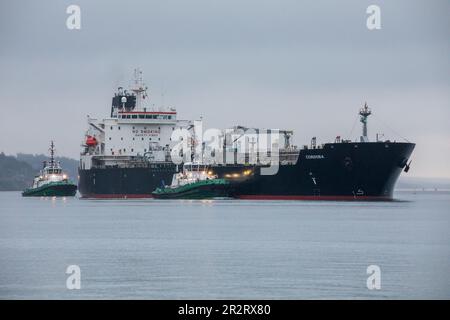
{"type": "Point", "coordinates": [51, 181]}
{"type": "Point", "coordinates": [194, 185]}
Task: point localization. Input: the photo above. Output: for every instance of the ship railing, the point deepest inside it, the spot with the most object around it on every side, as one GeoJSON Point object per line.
{"type": "Point", "coordinates": [133, 165]}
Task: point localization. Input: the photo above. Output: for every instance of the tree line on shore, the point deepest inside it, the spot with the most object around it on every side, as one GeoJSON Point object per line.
{"type": "Point", "coordinates": [17, 172]}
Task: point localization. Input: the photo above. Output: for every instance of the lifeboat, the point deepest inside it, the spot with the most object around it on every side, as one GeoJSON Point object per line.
{"type": "Point", "coordinates": [91, 141]}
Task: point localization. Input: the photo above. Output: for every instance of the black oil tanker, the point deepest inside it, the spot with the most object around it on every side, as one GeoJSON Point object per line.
{"type": "Point", "coordinates": [128, 156]}
{"type": "Point", "coordinates": [335, 171]}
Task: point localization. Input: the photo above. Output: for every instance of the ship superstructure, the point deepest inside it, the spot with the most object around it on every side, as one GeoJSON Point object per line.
{"type": "Point", "coordinates": [135, 135]}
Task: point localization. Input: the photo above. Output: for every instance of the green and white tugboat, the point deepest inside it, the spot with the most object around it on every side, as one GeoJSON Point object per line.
{"type": "Point", "coordinates": [199, 184]}
{"type": "Point", "coordinates": [51, 181]}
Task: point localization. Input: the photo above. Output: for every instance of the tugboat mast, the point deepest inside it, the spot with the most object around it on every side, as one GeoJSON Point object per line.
{"type": "Point", "coordinates": [52, 154]}
{"type": "Point", "coordinates": [364, 112]}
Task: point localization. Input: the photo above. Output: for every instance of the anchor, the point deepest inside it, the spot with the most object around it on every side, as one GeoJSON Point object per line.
{"type": "Point", "coordinates": [407, 167]}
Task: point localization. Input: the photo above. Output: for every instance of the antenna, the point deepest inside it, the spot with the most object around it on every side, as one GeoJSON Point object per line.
{"type": "Point", "coordinates": [313, 142]}
{"type": "Point", "coordinates": [139, 88]}
{"type": "Point", "coordinates": [52, 154]}
{"type": "Point", "coordinates": [287, 138]}
{"type": "Point", "coordinates": [364, 112]}
{"type": "Point", "coordinates": [163, 96]}
{"type": "Point", "coordinates": [162, 99]}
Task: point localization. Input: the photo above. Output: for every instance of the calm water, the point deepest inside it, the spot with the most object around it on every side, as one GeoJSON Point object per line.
{"type": "Point", "coordinates": [224, 249]}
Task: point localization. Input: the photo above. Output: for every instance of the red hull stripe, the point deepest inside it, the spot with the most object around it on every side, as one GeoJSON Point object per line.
{"type": "Point", "coordinates": [247, 197]}
{"type": "Point", "coordinates": [298, 197]}
{"type": "Point", "coordinates": [116, 196]}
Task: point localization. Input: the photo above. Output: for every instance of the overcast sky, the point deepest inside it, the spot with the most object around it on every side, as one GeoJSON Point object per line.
{"type": "Point", "coordinates": [301, 65]}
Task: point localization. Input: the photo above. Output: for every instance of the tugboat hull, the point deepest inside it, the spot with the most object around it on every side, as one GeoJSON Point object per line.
{"type": "Point", "coordinates": [52, 190]}
{"type": "Point", "coordinates": [201, 190]}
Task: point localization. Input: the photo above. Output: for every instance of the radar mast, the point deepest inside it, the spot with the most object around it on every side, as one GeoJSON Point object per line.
{"type": "Point", "coordinates": [139, 88]}
{"type": "Point", "coordinates": [364, 112]}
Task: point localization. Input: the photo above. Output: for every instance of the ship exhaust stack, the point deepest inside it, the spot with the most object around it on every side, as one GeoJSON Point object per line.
{"type": "Point", "coordinates": [364, 112]}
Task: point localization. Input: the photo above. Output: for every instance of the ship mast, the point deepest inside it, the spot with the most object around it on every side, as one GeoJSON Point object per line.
{"type": "Point", "coordinates": [52, 154]}
{"type": "Point", "coordinates": [364, 112]}
{"type": "Point", "coordinates": [139, 88]}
